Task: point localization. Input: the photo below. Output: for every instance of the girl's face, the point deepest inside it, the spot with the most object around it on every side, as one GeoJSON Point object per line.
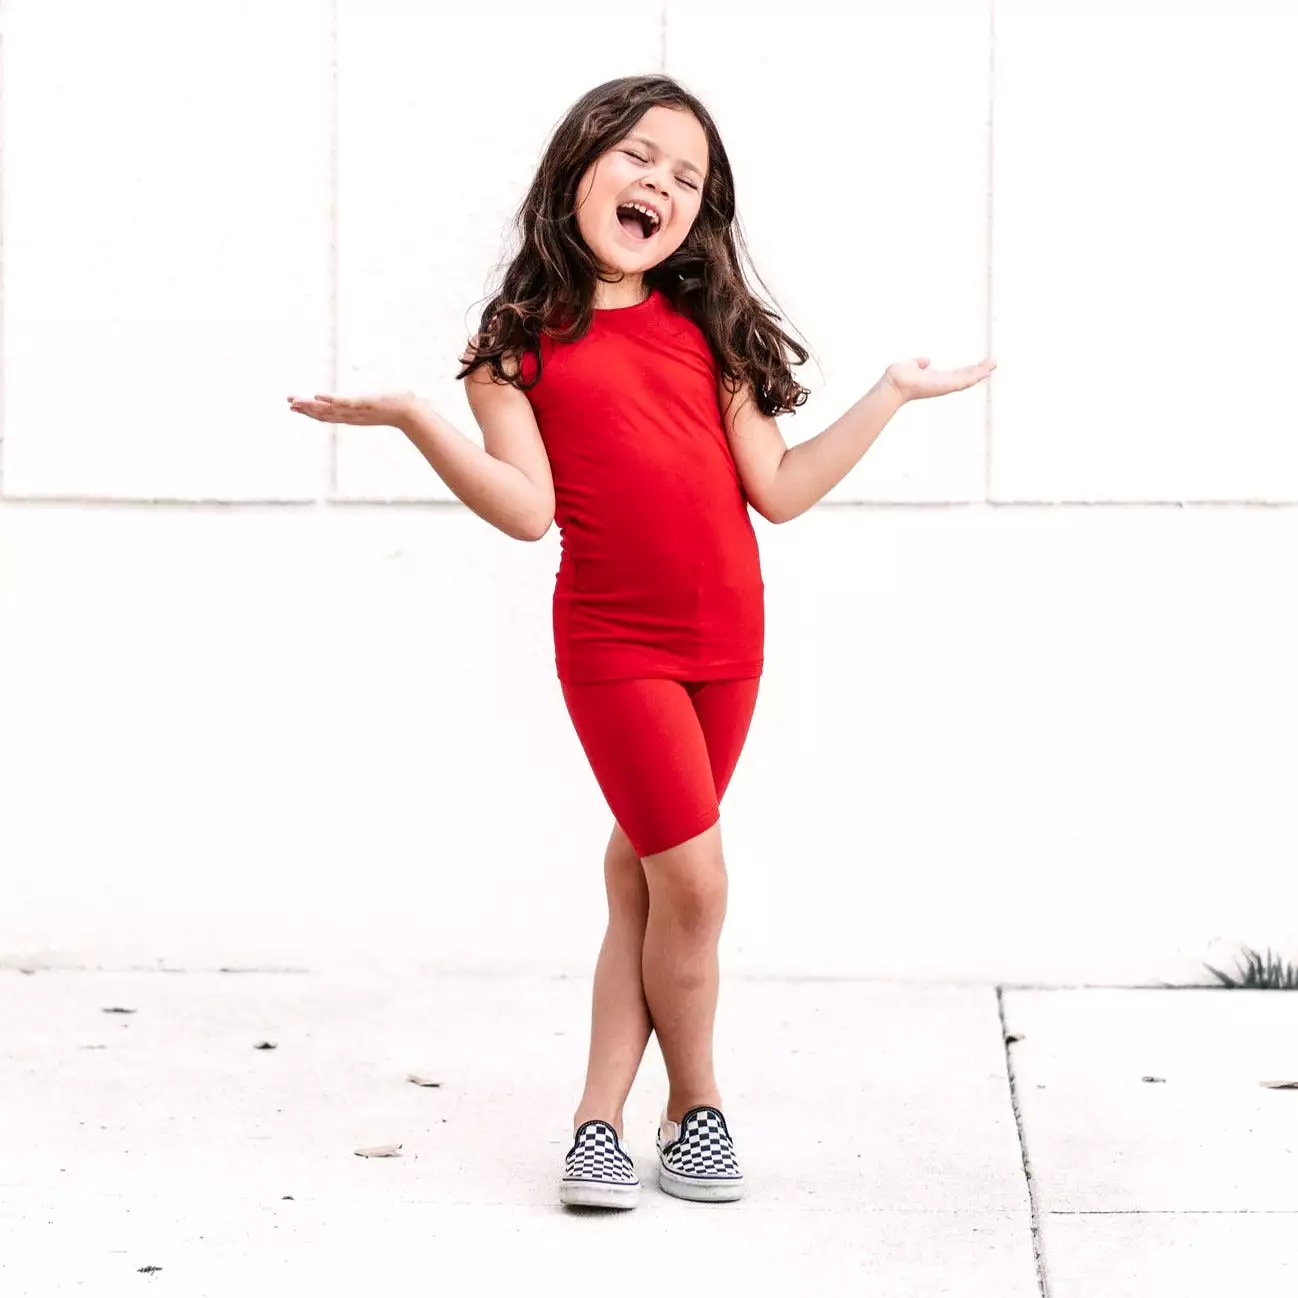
{"type": "Point", "coordinates": [637, 202]}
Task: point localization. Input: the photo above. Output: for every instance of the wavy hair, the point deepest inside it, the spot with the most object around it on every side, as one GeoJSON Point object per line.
{"type": "Point", "coordinates": [549, 286]}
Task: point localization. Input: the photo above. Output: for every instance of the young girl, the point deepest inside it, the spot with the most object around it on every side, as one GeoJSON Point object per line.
{"type": "Point", "coordinates": [625, 379]}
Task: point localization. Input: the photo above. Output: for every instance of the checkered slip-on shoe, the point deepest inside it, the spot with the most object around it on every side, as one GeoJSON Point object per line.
{"type": "Point", "coordinates": [696, 1157]}
{"type": "Point", "coordinates": [597, 1171]}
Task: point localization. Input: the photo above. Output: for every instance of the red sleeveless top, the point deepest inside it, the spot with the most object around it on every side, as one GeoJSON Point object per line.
{"type": "Point", "coordinates": [660, 574]}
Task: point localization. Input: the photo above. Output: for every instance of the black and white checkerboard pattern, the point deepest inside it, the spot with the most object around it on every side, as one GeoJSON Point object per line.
{"type": "Point", "coordinates": [597, 1157]}
{"type": "Point", "coordinates": [703, 1149]}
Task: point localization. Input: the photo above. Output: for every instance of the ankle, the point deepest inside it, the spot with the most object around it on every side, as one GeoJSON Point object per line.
{"type": "Point", "coordinates": [588, 1113]}
{"type": "Point", "coordinates": [679, 1106]}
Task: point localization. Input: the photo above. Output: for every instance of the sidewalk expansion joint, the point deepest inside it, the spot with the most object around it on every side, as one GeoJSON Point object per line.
{"type": "Point", "coordinates": [1034, 1206]}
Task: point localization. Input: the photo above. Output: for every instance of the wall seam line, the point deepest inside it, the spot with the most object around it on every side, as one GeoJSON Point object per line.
{"type": "Point", "coordinates": [990, 235]}
{"type": "Point", "coordinates": [434, 502]}
{"type": "Point", "coordinates": [330, 485]}
{"type": "Point", "coordinates": [4, 373]}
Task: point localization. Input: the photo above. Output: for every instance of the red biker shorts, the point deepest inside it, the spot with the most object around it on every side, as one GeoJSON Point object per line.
{"type": "Point", "coordinates": [662, 751]}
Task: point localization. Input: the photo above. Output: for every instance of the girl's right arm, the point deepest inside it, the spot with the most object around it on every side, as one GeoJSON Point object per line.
{"type": "Point", "coordinates": [508, 483]}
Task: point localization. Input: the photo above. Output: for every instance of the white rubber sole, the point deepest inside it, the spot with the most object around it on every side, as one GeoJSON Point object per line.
{"type": "Point", "coordinates": [594, 1194]}
{"type": "Point", "coordinates": [720, 1190]}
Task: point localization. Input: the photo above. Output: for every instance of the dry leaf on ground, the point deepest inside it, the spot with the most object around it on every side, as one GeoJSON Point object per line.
{"type": "Point", "coordinates": [378, 1151]}
{"type": "Point", "coordinates": [421, 1081]}
{"type": "Point", "coordinates": [1280, 1086]}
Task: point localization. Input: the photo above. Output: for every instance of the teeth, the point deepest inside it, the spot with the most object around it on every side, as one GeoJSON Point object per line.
{"type": "Point", "coordinates": [648, 211]}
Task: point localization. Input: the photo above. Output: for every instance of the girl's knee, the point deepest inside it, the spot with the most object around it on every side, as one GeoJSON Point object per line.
{"type": "Point", "coordinates": [689, 881]}
{"type": "Point", "coordinates": [624, 879]}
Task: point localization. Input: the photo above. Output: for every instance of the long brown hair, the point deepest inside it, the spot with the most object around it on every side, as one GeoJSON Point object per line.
{"type": "Point", "coordinates": [549, 286]}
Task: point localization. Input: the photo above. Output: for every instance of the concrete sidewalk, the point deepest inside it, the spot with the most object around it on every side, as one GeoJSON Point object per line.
{"type": "Point", "coordinates": [877, 1125]}
{"type": "Point", "coordinates": [1160, 1164]}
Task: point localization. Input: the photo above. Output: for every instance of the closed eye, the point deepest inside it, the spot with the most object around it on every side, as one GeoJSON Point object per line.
{"type": "Point", "coordinates": [631, 153]}
{"type": "Point", "coordinates": [689, 184]}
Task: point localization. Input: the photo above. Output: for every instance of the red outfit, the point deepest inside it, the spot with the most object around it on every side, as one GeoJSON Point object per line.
{"type": "Point", "coordinates": [663, 752]}
{"type": "Point", "coordinates": [660, 573]}
{"type": "Point", "coordinates": [660, 578]}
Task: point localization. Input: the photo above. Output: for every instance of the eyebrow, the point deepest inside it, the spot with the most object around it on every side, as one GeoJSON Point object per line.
{"type": "Point", "coordinates": [684, 163]}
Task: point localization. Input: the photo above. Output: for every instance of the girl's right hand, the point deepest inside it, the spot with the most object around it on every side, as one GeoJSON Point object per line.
{"type": "Point", "coordinates": [381, 409]}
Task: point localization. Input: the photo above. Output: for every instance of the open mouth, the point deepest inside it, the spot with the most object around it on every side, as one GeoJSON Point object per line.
{"type": "Point", "coordinates": [639, 222]}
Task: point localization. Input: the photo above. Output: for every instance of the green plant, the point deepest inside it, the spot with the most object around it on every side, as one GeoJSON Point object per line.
{"type": "Point", "coordinates": [1267, 971]}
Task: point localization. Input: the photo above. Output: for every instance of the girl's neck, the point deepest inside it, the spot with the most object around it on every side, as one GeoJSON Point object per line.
{"type": "Point", "coordinates": [630, 290]}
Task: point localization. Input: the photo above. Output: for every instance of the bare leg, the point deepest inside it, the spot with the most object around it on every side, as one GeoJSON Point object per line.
{"type": "Point", "coordinates": [687, 905]}
{"type": "Point", "coordinates": [619, 1021]}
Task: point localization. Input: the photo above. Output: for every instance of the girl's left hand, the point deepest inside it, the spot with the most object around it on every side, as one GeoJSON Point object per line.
{"type": "Point", "coordinates": [913, 379]}
{"type": "Point", "coordinates": [381, 408]}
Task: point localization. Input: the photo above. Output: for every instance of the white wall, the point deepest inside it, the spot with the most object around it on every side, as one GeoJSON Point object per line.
{"type": "Point", "coordinates": [268, 697]}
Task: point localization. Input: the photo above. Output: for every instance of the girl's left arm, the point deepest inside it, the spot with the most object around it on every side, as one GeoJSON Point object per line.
{"type": "Point", "coordinates": [782, 482]}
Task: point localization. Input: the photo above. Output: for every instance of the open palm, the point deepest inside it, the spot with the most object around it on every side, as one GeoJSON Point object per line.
{"type": "Point", "coordinates": [377, 409]}
{"type": "Point", "coordinates": [914, 380]}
